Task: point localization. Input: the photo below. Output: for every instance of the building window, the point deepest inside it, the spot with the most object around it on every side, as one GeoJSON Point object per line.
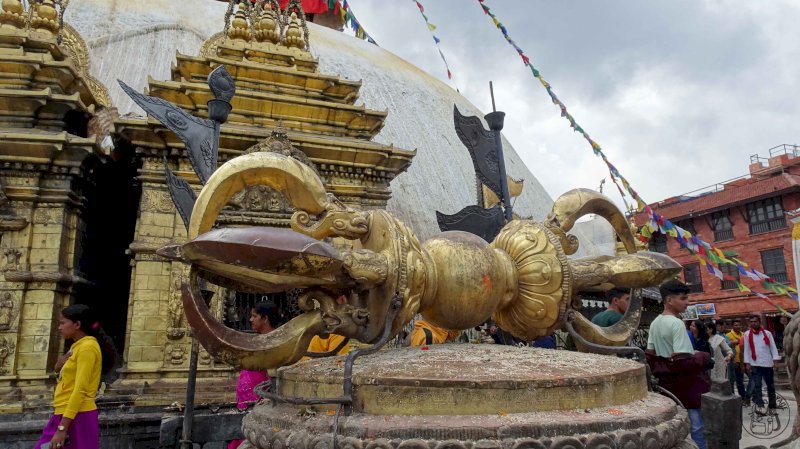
{"type": "Point", "coordinates": [766, 215]}
{"type": "Point", "coordinates": [723, 228]}
{"type": "Point", "coordinates": [691, 276]}
{"type": "Point", "coordinates": [774, 265]}
{"type": "Point", "coordinates": [658, 242]}
{"type": "Point", "coordinates": [732, 271]}
{"type": "Point", "coordinates": [688, 225]}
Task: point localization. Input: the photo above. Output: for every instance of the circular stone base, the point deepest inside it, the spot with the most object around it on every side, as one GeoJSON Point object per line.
{"type": "Point", "coordinates": [651, 423]}
{"type": "Point", "coordinates": [471, 380]}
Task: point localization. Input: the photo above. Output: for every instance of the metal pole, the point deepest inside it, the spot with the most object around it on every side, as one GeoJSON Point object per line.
{"type": "Point", "coordinates": [188, 412]}
{"type": "Point", "coordinates": [495, 120]}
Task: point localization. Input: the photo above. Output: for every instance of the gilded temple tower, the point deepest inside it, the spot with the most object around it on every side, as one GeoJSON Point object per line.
{"type": "Point", "coordinates": [47, 100]}
{"type": "Point", "coordinates": [283, 104]}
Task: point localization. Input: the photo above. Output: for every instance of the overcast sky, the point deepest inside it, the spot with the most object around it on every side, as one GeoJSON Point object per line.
{"type": "Point", "coordinates": [678, 93]}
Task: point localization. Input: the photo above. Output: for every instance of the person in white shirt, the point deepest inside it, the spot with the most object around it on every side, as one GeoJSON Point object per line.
{"type": "Point", "coordinates": [760, 355]}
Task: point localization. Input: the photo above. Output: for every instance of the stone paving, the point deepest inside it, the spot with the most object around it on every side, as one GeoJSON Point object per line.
{"type": "Point", "coordinates": [767, 430]}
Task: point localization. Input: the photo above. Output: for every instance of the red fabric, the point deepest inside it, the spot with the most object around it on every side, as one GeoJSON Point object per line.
{"type": "Point", "coordinates": [684, 376]}
{"type": "Point", "coordinates": [752, 347]}
{"type": "Point", "coordinates": [310, 6]}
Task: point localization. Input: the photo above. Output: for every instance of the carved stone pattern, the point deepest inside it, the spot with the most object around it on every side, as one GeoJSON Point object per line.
{"type": "Point", "coordinates": [7, 347]}
{"type": "Point", "coordinates": [273, 433]}
{"type": "Point", "coordinates": [176, 355]}
{"type": "Point", "coordinates": [203, 357]}
{"type": "Point", "coordinates": [48, 215]}
{"type": "Point", "coordinates": [176, 330]}
{"type": "Point", "coordinates": [157, 201]}
{"type": "Point", "coordinates": [12, 256]}
{"type": "Point", "coordinates": [8, 310]}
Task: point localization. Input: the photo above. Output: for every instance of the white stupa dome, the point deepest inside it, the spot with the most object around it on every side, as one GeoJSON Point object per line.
{"type": "Point", "coordinates": [131, 40]}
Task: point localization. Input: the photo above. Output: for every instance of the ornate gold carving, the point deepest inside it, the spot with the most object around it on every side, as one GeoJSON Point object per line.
{"type": "Point", "coordinates": [544, 279]}
{"type": "Point", "coordinates": [76, 47]}
{"type": "Point", "coordinates": [44, 17]}
{"type": "Point", "coordinates": [267, 24]}
{"type": "Point", "coordinates": [366, 267]}
{"type": "Point", "coordinates": [338, 220]}
{"type": "Point", "coordinates": [294, 37]}
{"type": "Point", "coordinates": [278, 142]}
{"type": "Point", "coordinates": [261, 199]}
{"type": "Point", "coordinates": [13, 14]}
{"type": "Point", "coordinates": [7, 310]}
{"type": "Point", "coordinates": [7, 347]}
{"type": "Point", "coordinates": [209, 47]}
{"type": "Point", "coordinates": [240, 28]}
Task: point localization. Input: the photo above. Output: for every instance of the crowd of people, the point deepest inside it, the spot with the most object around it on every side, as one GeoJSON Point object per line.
{"type": "Point", "coordinates": [685, 360]}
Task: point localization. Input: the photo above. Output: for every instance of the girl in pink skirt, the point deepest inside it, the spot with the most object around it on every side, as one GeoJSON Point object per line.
{"type": "Point", "coordinates": [74, 422]}
{"type": "Point", "coordinates": [264, 318]}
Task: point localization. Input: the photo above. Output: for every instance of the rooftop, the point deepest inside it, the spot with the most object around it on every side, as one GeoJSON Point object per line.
{"type": "Point", "coordinates": [769, 176]}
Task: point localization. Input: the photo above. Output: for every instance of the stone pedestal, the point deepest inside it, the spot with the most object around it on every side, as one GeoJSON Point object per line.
{"type": "Point", "coordinates": [722, 417]}
{"type": "Point", "coordinates": [471, 397]}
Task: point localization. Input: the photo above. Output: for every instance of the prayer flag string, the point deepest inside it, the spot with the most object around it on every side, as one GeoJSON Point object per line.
{"type": "Point", "coordinates": [704, 251]}
{"type": "Point", "coordinates": [349, 19]}
{"type": "Point", "coordinates": [431, 28]}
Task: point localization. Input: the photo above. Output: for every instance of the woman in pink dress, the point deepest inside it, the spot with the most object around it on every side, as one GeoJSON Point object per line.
{"type": "Point", "coordinates": [264, 318]}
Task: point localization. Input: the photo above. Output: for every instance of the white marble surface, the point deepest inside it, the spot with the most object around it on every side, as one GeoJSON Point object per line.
{"type": "Point", "coordinates": [133, 40]}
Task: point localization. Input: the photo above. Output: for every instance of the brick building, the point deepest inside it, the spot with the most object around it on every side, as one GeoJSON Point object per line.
{"type": "Point", "coordinates": [745, 218]}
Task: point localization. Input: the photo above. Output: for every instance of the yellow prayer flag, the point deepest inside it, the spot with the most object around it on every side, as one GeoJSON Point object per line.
{"type": "Point", "coordinates": [431, 26]}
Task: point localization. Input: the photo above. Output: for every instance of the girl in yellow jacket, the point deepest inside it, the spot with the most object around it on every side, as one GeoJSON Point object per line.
{"type": "Point", "coordinates": [74, 422]}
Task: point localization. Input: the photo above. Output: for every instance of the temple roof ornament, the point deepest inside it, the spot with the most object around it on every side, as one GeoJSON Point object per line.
{"type": "Point", "coordinates": [263, 22]}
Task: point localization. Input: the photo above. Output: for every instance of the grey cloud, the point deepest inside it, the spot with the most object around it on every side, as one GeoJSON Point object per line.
{"type": "Point", "coordinates": [716, 81]}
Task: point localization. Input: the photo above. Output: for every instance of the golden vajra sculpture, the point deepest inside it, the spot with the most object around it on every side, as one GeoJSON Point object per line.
{"type": "Point", "coordinates": [523, 279]}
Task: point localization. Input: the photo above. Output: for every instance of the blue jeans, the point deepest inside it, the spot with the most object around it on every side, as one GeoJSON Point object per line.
{"type": "Point", "coordinates": [757, 374]}
{"type": "Point", "coordinates": [739, 375]}
{"type": "Point", "coordinates": [696, 430]}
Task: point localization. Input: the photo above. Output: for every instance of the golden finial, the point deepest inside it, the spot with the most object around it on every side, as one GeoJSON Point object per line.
{"type": "Point", "coordinates": [294, 37]}
{"type": "Point", "coordinates": [240, 28]}
{"type": "Point", "coordinates": [45, 18]}
{"type": "Point", "coordinates": [12, 15]}
{"type": "Point", "coordinates": [266, 24]}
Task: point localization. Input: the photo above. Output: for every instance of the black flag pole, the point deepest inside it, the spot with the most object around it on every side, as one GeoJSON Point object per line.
{"type": "Point", "coordinates": [495, 120]}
